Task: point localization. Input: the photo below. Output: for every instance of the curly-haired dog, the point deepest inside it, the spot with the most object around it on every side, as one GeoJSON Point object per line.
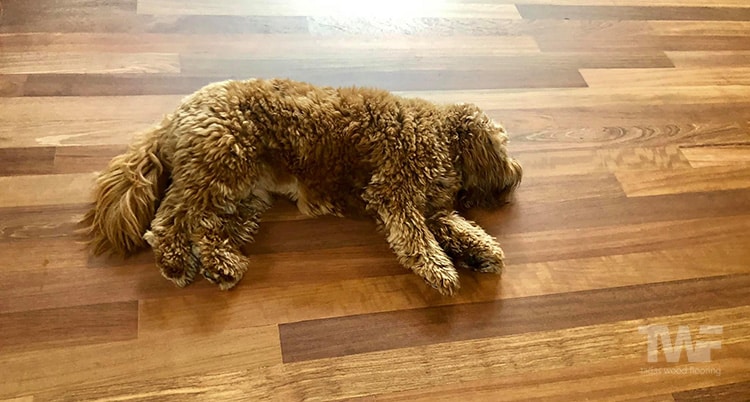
{"type": "Point", "coordinates": [195, 186]}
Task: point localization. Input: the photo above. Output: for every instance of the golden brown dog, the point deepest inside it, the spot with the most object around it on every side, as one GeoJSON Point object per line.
{"type": "Point", "coordinates": [195, 186]}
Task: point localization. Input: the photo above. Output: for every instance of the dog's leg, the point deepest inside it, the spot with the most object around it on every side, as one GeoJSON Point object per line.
{"type": "Point", "coordinates": [222, 237]}
{"type": "Point", "coordinates": [170, 238]}
{"type": "Point", "coordinates": [411, 240]}
{"type": "Point", "coordinates": [467, 242]}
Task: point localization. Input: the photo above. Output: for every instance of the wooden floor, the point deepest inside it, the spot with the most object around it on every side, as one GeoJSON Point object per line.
{"type": "Point", "coordinates": [632, 120]}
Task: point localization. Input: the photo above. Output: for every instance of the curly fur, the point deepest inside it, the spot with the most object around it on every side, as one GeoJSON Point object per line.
{"type": "Point", "coordinates": [195, 186]}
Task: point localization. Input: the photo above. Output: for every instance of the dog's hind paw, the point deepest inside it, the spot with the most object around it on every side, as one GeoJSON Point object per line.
{"type": "Point", "coordinates": [175, 259]}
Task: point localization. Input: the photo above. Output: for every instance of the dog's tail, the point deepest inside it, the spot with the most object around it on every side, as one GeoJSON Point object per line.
{"type": "Point", "coordinates": [126, 194]}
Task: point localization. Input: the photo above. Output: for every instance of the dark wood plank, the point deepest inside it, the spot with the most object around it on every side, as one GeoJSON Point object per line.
{"type": "Point", "coordinates": [85, 159]}
{"type": "Point", "coordinates": [15, 161]}
{"type": "Point", "coordinates": [731, 392]}
{"type": "Point", "coordinates": [548, 11]}
{"type": "Point", "coordinates": [59, 327]}
{"type": "Point", "coordinates": [114, 84]}
{"type": "Point", "coordinates": [342, 336]}
{"type": "Point", "coordinates": [199, 75]}
{"type": "Point", "coordinates": [120, 16]}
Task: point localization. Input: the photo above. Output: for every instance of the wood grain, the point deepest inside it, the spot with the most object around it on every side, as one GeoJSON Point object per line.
{"type": "Point", "coordinates": [728, 155]}
{"type": "Point", "coordinates": [64, 327]}
{"type": "Point", "coordinates": [638, 184]}
{"type": "Point", "coordinates": [589, 97]}
{"type": "Point", "coordinates": [47, 369]}
{"type": "Point", "coordinates": [726, 392]}
{"type": "Point", "coordinates": [332, 7]}
{"type": "Point", "coordinates": [107, 63]}
{"type": "Point", "coordinates": [343, 336]}
{"type": "Point", "coordinates": [666, 77]}
{"type": "Point", "coordinates": [539, 11]}
{"type": "Point", "coordinates": [45, 189]}
{"type": "Point", "coordinates": [709, 58]}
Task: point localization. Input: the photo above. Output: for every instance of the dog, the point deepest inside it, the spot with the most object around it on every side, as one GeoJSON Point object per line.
{"type": "Point", "coordinates": [195, 186]}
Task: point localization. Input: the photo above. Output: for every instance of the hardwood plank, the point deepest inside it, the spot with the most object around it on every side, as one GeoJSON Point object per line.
{"type": "Point", "coordinates": [710, 58]}
{"type": "Point", "coordinates": [542, 11]}
{"type": "Point", "coordinates": [546, 135]}
{"type": "Point", "coordinates": [554, 215]}
{"type": "Point", "coordinates": [538, 189]}
{"type": "Point", "coordinates": [113, 85]}
{"type": "Point", "coordinates": [101, 63]}
{"type": "Point", "coordinates": [585, 161]}
{"type": "Point", "coordinates": [45, 189]}
{"type": "Point", "coordinates": [12, 85]}
{"type": "Point", "coordinates": [590, 97]}
{"type": "Point", "coordinates": [734, 391]}
{"type": "Point", "coordinates": [56, 160]}
{"type": "Point", "coordinates": [73, 108]}
{"type": "Point", "coordinates": [705, 28]}
{"type": "Point", "coordinates": [719, 155]}
{"type": "Point", "coordinates": [588, 381]}
{"type": "Point", "coordinates": [77, 159]}
{"type": "Point", "coordinates": [384, 372]}
{"type": "Point", "coordinates": [42, 222]}
{"type": "Point", "coordinates": [653, 182]}
{"type": "Point", "coordinates": [120, 16]}
{"type": "Point", "coordinates": [627, 77]}
{"type": "Point", "coordinates": [296, 8]}
{"type": "Point", "coordinates": [407, 80]}
{"type": "Point", "coordinates": [251, 64]}
{"type": "Point", "coordinates": [39, 160]}
{"type": "Point", "coordinates": [53, 121]}
{"type": "Point", "coordinates": [40, 371]}
{"type": "Point", "coordinates": [69, 326]}
{"type": "Point", "coordinates": [559, 244]}
{"type": "Point", "coordinates": [342, 336]}
{"type": "Point", "coordinates": [20, 399]}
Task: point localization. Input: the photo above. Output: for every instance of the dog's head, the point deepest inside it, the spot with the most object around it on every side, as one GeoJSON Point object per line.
{"type": "Point", "coordinates": [488, 174]}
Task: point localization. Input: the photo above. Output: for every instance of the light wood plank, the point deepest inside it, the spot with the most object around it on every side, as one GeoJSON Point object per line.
{"type": "Point", "coordinates": [661, 77]}
{"type": "Point", "coordinates": [590, 97]}
{"type": "Point", "coordinates": [55, 121]}
{"type": "Point", "coordinates": [717, 155]}
{"type": "Point", "coordinates": [45, 189]}
{"type": "Point", "coordinates": [655, 182]}
{"type": "Point", "coordinates": [710, 58]}
{"type": "Point", "coordinates": [583, 382]}
{"type": "Point", "coordinates": [109, 63]}
{"type": "Point", "coordinates": [143, 359]}
{"type": "Point", "coordinates": [552, 163]}
{"type": "Point", "coordinates": [716, 28]}
{"type": "Point", "coordinates": [409, 8]}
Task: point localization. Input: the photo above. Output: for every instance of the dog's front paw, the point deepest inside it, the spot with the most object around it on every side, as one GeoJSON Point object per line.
{"type": "Point", "coordinates": [441, 276]}
{"type": "Point", "coordinates": [224, 268]}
